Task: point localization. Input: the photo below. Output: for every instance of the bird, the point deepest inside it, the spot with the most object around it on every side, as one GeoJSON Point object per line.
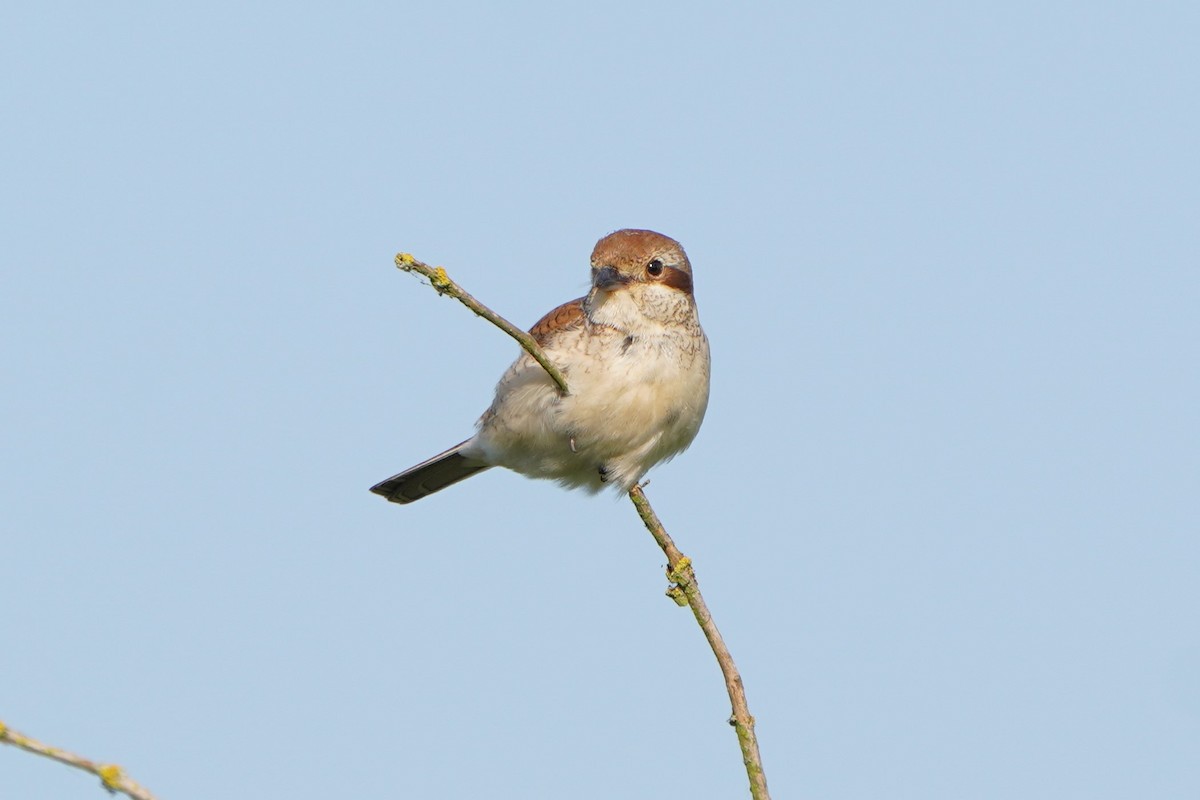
{"type": "Point", "coordinates": [637, 367]}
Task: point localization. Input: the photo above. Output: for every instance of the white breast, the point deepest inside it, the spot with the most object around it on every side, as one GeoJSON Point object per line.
{"type": "Point", "coordinates": [639, 390]}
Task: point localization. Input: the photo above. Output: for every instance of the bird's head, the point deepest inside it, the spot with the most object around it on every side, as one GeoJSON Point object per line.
{"type": "Point", "coordinates": [632, 259]}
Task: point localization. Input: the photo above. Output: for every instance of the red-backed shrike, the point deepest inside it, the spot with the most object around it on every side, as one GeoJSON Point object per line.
{"type": "Point", "coordinates": [636, 363]}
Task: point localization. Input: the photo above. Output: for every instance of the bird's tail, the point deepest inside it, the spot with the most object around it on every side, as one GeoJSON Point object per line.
{"type": "Point", "coordinates": [429, 476]}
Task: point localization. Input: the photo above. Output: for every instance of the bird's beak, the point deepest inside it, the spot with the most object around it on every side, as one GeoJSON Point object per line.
{"type": "Point", "coordinates": [608, 278]}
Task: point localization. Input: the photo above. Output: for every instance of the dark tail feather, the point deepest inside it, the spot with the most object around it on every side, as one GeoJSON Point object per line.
{"type": "Point", "coordinates": [429, 476]}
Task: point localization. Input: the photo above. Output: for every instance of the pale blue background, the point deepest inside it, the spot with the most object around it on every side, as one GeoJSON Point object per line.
{"type": "Point", "coordinates": [944, 505]}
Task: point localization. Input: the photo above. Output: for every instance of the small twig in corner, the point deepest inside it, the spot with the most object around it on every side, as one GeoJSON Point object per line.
{"type": "Point", "coordinates": [111, 776]}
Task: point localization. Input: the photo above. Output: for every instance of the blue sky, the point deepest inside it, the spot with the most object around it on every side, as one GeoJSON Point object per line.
{"type": "Point", "coordinates": [944, 505]}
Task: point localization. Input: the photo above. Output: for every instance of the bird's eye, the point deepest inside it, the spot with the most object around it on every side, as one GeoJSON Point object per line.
{"type": "Point", "coordinates": [655, 267]}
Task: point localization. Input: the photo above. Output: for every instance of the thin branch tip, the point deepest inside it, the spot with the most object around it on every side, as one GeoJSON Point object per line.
{"type": "Point", "coordinates": [441, 282]}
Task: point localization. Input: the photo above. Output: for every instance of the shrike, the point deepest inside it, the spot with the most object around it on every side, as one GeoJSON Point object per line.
{"type": "Point", "coordinates": [636, 363]}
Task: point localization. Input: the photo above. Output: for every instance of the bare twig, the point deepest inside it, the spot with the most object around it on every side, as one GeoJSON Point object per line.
{"type": "Point", "coordinates": [444, 285]}
{"type": "Point", "coordinates": [684, 589]}
{"type": "Point", "coordinates": [111, 776]}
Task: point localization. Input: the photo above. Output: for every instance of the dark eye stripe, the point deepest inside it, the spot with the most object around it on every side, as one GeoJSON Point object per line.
{"type": "Point", "coordinates": [677, 279]}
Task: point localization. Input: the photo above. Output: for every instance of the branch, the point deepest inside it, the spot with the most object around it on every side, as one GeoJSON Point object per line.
{"type": "Point", "coordinates": [442, 283]}
{"type": "Point", "coordinates": [686, 592]}
{"type": "Point", "coordinates": [111, 776]}
{"type": "Point", "coordinates": [684, 589]}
